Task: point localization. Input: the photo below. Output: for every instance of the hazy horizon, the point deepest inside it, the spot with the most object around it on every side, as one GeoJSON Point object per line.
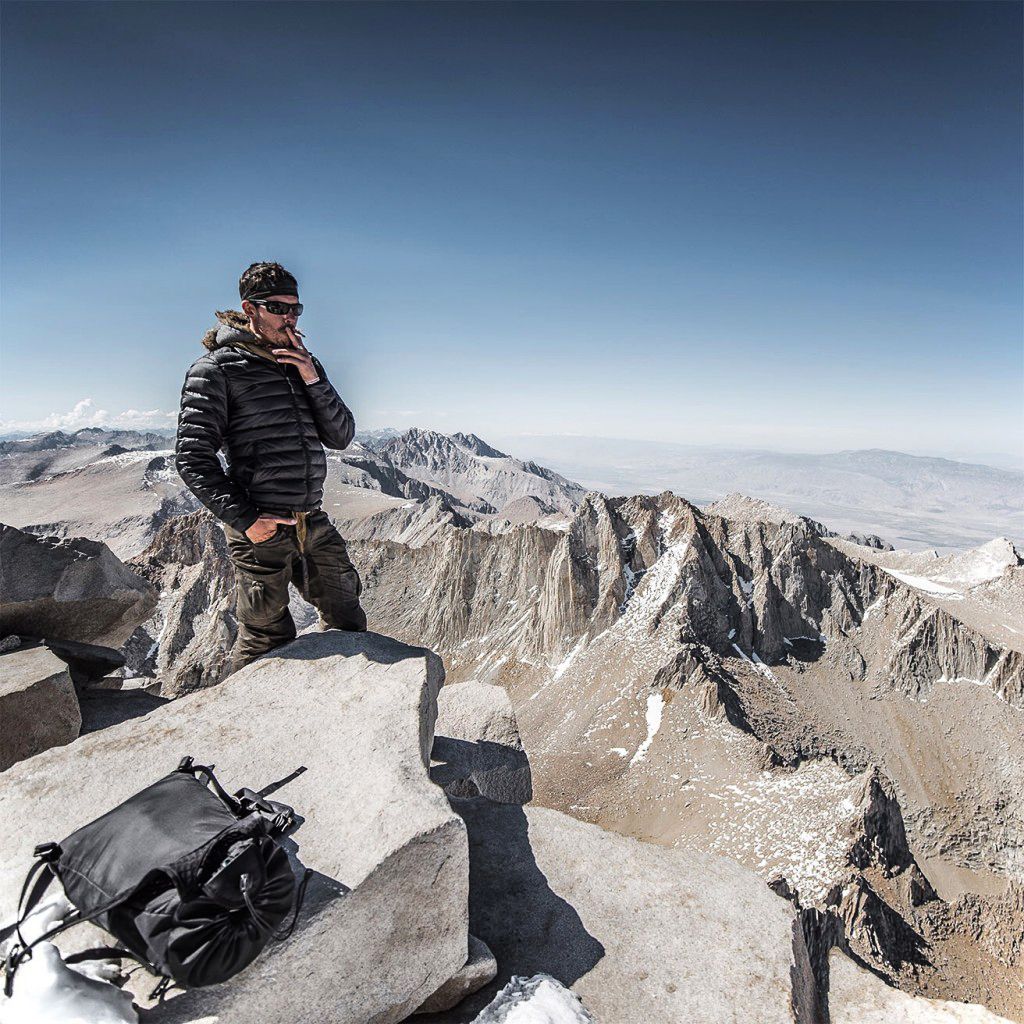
{"type": "Point", "coordinates": [156, 422]}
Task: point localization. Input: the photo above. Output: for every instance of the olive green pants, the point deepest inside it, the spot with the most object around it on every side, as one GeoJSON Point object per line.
{"type": "Point", "coordinates": [325, 577]}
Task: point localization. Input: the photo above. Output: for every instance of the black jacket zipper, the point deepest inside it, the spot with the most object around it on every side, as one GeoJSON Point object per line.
{"type": "Point", "coordinates": [302, 430]}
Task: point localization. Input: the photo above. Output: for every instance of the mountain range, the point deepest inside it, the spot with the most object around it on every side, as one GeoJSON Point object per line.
{"type": "Point", "coordinates": [916, 502]}
{"type": "Point", "coordinates": [840, 717]}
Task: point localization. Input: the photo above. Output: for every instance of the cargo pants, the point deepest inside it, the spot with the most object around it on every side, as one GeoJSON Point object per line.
{"type": "Point", "coordinates": [310, 553]}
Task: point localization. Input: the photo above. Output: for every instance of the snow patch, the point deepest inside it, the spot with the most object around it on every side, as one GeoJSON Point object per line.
{"type": "Point", "coordinates": [925, 584]}
{"type": "Point", "coordinates": [47, 991]}
{"type": "Point", "coordinates": [762, 667]}
{"type": "Point", "coordinates": [655, 707]}
{"type": "Point", "coordinates": [537, 1000]}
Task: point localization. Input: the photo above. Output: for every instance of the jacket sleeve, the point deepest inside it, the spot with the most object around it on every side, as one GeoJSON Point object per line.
{"type": "Point", "coordinates": [202, 423]}
{"type": "Point", "coordinates": [335, 424]}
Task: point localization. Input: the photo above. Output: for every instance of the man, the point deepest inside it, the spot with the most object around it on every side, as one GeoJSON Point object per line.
{"type": "Point", "coordinates": [263, 397]}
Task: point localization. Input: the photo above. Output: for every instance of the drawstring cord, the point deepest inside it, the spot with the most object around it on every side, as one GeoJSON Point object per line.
{"type": "Point", "coordinates": [300, 535]}
{"type": "Point", "coordinates": [260, 920]}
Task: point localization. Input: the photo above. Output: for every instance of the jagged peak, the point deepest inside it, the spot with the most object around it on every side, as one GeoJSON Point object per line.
{"type": "Point", "coordinates": [420, 446]}
{"type": "Point", "coordinates": [1002, 545]}
{"type": "Point", "coordinates": [478, 446]}
{"type": "Point", "coordinates": [745, 508]}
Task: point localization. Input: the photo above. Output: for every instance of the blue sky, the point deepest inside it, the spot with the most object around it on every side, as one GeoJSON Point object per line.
{"type": "Point", "coordinates": [793, 226]}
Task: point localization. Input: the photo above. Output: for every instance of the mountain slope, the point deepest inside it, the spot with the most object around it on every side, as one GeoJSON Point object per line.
{"type": "Point", "coordinates": [731, 685]}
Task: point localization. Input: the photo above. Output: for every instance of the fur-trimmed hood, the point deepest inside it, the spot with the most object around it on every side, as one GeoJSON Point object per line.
{"type": "Point", "coordinates": [233, 329]}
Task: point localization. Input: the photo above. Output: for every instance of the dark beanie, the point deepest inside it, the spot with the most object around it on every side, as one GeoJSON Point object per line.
{"type": "Point", "coordinates": [263, 279]}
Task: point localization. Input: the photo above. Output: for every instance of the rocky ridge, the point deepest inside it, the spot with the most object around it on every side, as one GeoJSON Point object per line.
{"type": "Point", "coordinates": [843, 720]}
{"type": "Point", "coordinates": [778, 678]}
{"type": "Point", "coordinates": [121, 487]}
{"type": "Point", "coordinates": [651, 616]}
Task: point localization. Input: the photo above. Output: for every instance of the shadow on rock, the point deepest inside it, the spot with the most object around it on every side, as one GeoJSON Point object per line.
{"type": "Point", "coordinates": [375, 647]}
{"type": "Point", "coordinates": [529, 927]}
{"type": "Point", "coordinates": [104, 708]}
{"type": "Point", "coordinates": [494, 770]}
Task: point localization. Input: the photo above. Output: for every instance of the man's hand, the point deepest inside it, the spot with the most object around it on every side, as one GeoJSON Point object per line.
{"type": "Point", "coordinates": [265, 527]}
{"type": "Point", "coordinates": [298, 356]}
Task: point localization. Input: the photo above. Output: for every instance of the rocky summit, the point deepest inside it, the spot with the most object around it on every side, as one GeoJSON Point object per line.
{"type": "Point", "coordinates": [623, 758]}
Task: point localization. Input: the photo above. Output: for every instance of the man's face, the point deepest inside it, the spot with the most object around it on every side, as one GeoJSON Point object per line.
{"type": "Point", "coordinates": [271, 326]}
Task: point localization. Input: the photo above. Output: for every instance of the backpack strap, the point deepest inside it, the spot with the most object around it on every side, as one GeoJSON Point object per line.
{"type": "Point", "coordinates": [187, 766]}
{"type": "Point", "coordinates": [21, 951]}
{"type": "Point", "coordinates": [108, 953]}
{"type": "Point", "coordinates": [46, 855]}
{"type": "Point", "coordinates": [120, 953]}
{"type": "Point", "coordinates": [279, 817]}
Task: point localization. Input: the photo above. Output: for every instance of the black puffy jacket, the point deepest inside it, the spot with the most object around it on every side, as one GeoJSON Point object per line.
{"type": "Point", "coordinates": [271, 424]}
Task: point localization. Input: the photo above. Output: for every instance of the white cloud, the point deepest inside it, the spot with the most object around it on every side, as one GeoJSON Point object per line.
{"type": "Point", "coordinates": [86, 414]}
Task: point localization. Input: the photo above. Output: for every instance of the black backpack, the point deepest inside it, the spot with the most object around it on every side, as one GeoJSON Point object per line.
{"type": "Point", "coordinates": [189, 879]}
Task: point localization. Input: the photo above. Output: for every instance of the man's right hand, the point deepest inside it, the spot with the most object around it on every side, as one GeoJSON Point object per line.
{"type": "Point", "coordinates": [265, 527]}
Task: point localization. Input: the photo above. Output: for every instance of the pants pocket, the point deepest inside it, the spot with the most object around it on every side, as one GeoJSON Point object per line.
{"type": "Point", "coordinates": [261, 597]}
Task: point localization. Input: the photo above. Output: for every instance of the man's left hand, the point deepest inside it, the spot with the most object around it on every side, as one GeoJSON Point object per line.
{"type": "Point", "coordinates": [298, 356]}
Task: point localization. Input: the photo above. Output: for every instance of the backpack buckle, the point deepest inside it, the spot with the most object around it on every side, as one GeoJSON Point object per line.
{"type": "Point", "coordinates": [11, 963]}
{"type": "Point", "coordinates": [48, 853]}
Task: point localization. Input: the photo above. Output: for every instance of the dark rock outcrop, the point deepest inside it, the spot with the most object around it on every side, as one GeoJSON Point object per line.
{"type": "Point", "coordinates": [71, 589]}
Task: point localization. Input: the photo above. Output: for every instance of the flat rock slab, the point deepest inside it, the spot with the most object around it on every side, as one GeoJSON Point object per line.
{"type": "Point", "coordinates": [642, 934]}
{"type": "Point", "coordinates": [88, 662]}
{"type": "Point", "coordinates": [384, 924]}
{"type": "Point", "coordinates": [38, 705]}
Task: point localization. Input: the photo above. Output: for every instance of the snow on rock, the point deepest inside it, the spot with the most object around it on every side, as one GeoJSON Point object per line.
{"type": "Point", "coordinates": [537, 1000]}
{"type": "Point", "coordinates": [129, 458]}
{"type": "Point", "coordinates": [50, 911]}
{"type": "Point", "coordinates": [655, 707]}
{"type": "Point", "coordinates": [793, 824]}
{"type": "Point", "coordinates": [47, 991]}
{"type": "Point", "coordinates": [560, 668]}
{"type": "Point", "coordinates": [952, 575]}
{"type": "Point", "coordinates": [929, 586]}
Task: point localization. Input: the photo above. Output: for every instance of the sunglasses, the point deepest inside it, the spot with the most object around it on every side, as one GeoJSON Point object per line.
{"type": "Point", "coordinates": [279, 308]}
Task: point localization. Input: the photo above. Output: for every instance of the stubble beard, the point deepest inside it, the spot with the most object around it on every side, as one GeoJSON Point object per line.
{"type": "Point", "coordinates": [273, 337]}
